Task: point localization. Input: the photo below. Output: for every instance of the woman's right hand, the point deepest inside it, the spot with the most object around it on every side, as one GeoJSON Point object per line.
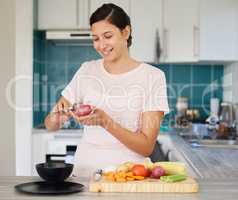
{"type": "Point", "coordinates": [58, 115]}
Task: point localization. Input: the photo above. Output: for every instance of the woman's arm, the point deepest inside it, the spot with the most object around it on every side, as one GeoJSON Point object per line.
{"type": "Point", "coordinates": [56, 117]}
{"type": "Point", "coordinates": [143, 141]}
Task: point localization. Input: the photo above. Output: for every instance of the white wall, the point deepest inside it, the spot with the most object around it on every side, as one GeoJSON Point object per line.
{"type": "Point", "coordinates": [16, 61]}
{"type": "Point", "coordinates": [230, 83]}
{"type": "Point", "coordinates": [24, 68]}
{"type": "Point", "coordinates": [7, 71]}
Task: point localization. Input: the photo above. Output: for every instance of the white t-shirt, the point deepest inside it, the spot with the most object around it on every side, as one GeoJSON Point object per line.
{"type": "Point", "coordinates": [123, 97]}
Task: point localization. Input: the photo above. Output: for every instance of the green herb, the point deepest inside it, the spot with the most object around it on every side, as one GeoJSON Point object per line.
{"type": "Point", "coordinates": [173, 178]}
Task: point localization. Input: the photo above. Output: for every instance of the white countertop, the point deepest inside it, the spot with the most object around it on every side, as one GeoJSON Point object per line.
{"type": "Point", "coordinates": [208, 162]}
{"type": "Point", "coordinates": [209, 189]}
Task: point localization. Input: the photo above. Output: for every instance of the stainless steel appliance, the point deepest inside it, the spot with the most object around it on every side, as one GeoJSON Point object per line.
{"type": "Point", "coordinates": [226, 121]}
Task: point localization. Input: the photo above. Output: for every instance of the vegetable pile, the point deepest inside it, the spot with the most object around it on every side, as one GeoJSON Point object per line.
{"type": "Point", "coordinates": [129, 171]}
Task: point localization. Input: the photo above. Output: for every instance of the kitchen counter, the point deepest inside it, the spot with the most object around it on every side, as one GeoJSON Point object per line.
{"type": "Point", "coordinates": [202, 162]}
{"type": "Point", "coordinates": [206, 162]}
{"type": "Point", "coordinates": [210, 189]}
{"type": "Point", "coordinates": [59, 132]}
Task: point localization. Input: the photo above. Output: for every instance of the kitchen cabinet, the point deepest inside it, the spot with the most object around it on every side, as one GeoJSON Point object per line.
{"type": "Point", "coordinates": [180, 30]}
{"type": "Point", "coordinates": [219, 28]}
{"type": "Point", "coordinates": [70, 14]}
{"type": "Point", "coordinates": [146, 20]}
{"type": "Point", "coordinates": [200, 30]}
{"type": "Point", "coordinates": [63, 14]}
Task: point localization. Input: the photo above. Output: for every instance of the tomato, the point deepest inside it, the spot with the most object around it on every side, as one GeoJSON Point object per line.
{"type": "Point", "coordinates": [83, 110]}
{"type": "Point", "coordinates": [140, 170]}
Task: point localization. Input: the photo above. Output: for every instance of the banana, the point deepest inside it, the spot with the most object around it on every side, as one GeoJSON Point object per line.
{"type": "Point", "coordinates": [125, 167]}
{"type": "Point", "coordinates": [172, 168]}
{"type": "Point", "coordinates": [148, 164]}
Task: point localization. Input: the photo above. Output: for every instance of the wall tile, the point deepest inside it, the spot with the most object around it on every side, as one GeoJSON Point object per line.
{"type": "Point", "coordinates": [217, 91]}
{"type": "Point", "coordinates": [76, 54]}
{"type": "Point", "coordinates": [56, 72]}
{"type": "Point", "coordinates": [55, 53]}
{"type": "Point", "coordinates": [36, 49]}
{"type": "Point", "coordinates": [202, 74]}
{"type": "Point", "coordinates": [181, 74]}
{"type": "Point", "coordinates": [54, 93]}
{"type": "Point", "coordinates": [201, 95]}
{"type": "Point", "coordinates": [72, 69]}
{"type": "Point", "coordinates": [36, 118]}
{"type": "Point", "coordinates": [92, 54]}
{"type": "Point", "coordinates": [36, 93]}
{"type": "Point", "coordinates": [217, 76]}
{"type": "Point", "coordinates": [166, 69]}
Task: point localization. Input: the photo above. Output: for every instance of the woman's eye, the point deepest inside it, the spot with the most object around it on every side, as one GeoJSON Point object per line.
{"type": "Point", "coordinates": [108, 36]}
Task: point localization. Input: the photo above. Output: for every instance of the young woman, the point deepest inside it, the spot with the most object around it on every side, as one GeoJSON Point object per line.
{"type": "Point", "coordinates": [128, 96]}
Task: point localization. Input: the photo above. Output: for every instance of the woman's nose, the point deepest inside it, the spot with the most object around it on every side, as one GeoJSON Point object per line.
{"type": "Point", "coordinates": [102, 45]}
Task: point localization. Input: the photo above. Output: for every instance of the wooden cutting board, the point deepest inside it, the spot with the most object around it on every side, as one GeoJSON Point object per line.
{"type": "Point", "coordinates": [148, 185]}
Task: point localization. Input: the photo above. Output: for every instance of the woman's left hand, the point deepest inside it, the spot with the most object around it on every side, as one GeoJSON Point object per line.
{"type": "Point", "coordinates": [97, 118]}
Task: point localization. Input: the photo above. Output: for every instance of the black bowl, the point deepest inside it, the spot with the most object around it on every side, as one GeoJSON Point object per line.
{"type": "Point", "coordinates": [53, 171]}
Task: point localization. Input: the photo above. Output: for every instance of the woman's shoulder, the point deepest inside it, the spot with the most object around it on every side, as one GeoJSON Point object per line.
{"type": "Point", "coordinates": [152, 70]}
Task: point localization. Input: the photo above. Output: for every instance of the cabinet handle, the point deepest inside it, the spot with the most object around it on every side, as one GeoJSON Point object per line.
{"type": "Point", "coordinates": [196, 41]}
{"type": "Point", "coordinates": [165, 43]}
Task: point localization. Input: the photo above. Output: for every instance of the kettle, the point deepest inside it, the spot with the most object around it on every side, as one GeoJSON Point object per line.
{"type": "Point", "coordinates": [226, 120]}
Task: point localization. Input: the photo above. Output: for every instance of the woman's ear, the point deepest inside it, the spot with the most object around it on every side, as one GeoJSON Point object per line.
{"type": "Point", "coordinates": [126, 32]}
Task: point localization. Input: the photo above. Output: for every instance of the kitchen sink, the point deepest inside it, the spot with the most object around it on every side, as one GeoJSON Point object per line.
{"type": "Point", "coordinates": [203, 138]}
{"type": "Point", "coordinates": [214, 143]}
{"type": "Point", "coordinates": [196, 141]}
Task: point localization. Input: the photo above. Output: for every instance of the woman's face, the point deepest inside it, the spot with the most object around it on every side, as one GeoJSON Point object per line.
{"type": "Point", "coordinates": [108, 40]}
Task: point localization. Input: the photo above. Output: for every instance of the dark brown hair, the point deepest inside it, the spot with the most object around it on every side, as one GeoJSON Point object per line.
{"type": "Point", "coordinates": [113, 14]}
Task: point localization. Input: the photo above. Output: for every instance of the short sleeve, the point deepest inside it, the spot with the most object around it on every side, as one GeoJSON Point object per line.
{"type": "Point", "coordinates": [156, 95]}
{"type": "Point", "coordinates": [73, 91]}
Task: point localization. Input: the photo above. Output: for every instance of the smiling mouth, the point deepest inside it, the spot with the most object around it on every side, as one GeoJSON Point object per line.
{"type": "Point", "coordinates": [106, 53]}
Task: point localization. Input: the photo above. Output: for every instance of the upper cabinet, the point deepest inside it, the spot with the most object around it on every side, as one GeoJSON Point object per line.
{"type": "Point", "coordinates": [219, 30]}
{"type": "Point", "coordinates": [70, 14]}
{"type": "Point", "coordinates": [180, 36]}
{"type": "Point", "coordinates": [146, 20]}
{"type": "Point", "coordinates": [200, 30]}
{"type": "Point", "coordinates": [63, 14]}
{"type": "Point", "coordinates": [185, 30]}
